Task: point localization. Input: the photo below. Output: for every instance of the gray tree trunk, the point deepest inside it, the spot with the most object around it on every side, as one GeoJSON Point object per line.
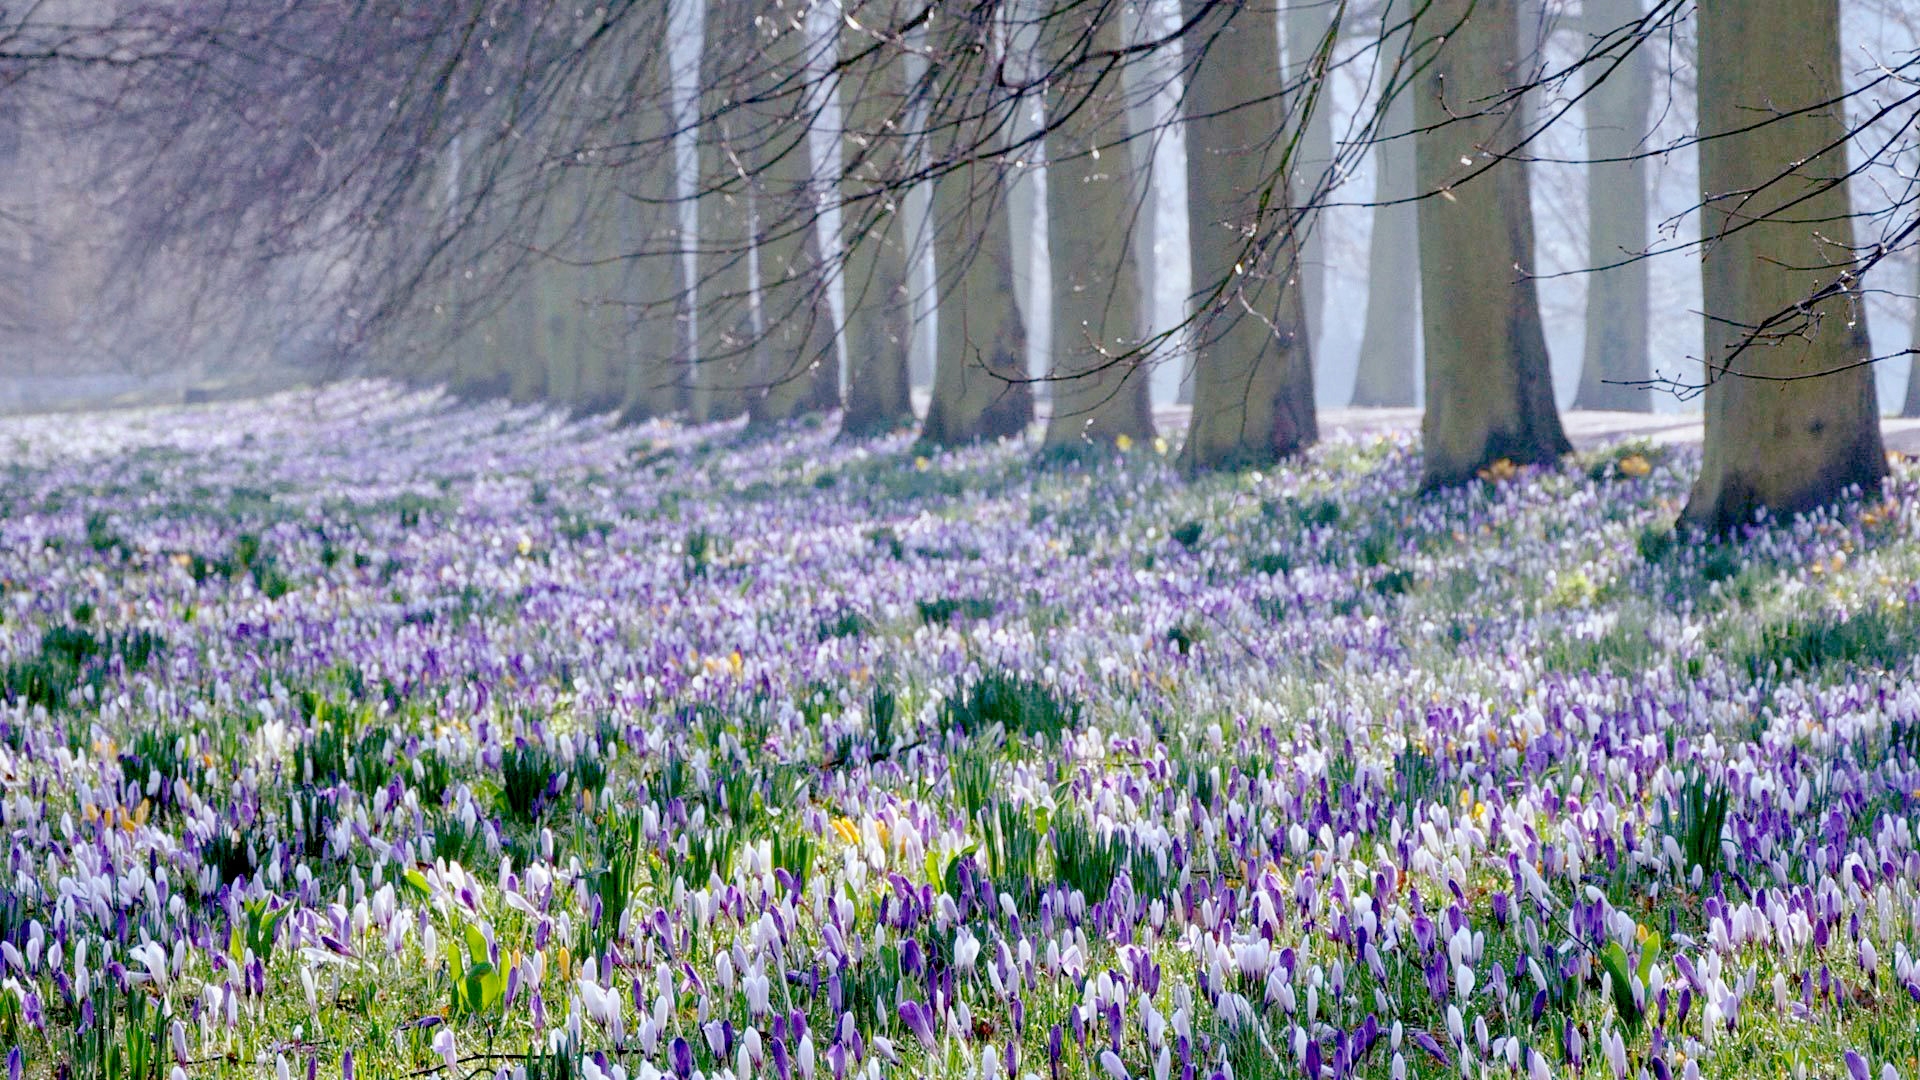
{"type": "Point", "coordinates": [653, 345]}
{"type": "Point", "coordinates": [979, 388]}
{"type": "Point", "coordinates": [722, 369]}
{"type": "Point", "coordinates": [873, 161]}
{"type": "Point", "coordinates": [1101, 390]}
{"type": "Point", "coordinates": [1306, 24]}
{"type": "Point", "coordinates": [1389, 340]}
{"type": "Point", "coordinates": [1911, 407]}
{"type": "Point", "coordinates": [1253, 366]}
{"type": "Point", "coordinates": [796, 368]}
{"type": "Point", "coordinates": [1615, 364]}
{"type": "Point", "coordinates": [1488, 379]}
{"type": "Point", "coordinates": [1782, 446]}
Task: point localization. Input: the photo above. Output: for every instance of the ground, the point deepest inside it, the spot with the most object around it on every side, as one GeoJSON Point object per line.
{"type": "Point", "coordinates": [357, 733]}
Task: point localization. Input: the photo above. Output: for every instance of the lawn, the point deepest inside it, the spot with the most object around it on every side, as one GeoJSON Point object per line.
{"type": "Point", "coordinates": [361, 734]}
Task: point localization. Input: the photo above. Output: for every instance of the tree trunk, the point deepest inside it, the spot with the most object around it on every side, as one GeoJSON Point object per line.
{"type": "Point", "coordinates": [1615, 365]}
{"type": "Point", "coordinates": [721, 371]}
{"type": "Point", "coordinates": [642, 334]}
{"type": "Point", "coordinates": [1782, 446]}
{"type": "Point", "coordinates": [1306, 25]}
{"type": "Point", "coordinates": [1911, 407]}
{"type": "Point", "coordinates": [1253, 366]}
{"type": "Point", "coordinates": [1488, 379]}
{"type": "Point", "coordinates": [979, 387]}
{"type": "Point", "coordinates": [1101, 391]}
{"type": "Point", "coordinates": [652, 343]}
{"type": "Point", "coordinates": [873, 95]}
{"type": "Point", "coordinates": [1389, 340]}
{"type": "Point", "coordinates": [797, 367]}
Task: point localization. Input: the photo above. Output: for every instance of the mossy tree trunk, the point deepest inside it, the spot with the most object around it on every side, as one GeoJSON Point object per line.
{"type": "Point", "coordinates": [1389, 338]}
{"type": "Point", "coordinates": [874, 157]}
{"type": "Point", "coordinates": [1489, 385]}
{"type": "Point", "coordinates": [1792, 418]}
{"type": "Point", "coordinates": [1101, 390]}
{"type": "Point", "coordinates": [1615, 366]}
{"type": "Point", "coordinates": [1253, 366]}
{"type": "Point", "coordinates": [979, 387]}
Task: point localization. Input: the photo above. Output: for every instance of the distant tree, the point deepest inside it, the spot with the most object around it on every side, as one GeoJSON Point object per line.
{"type": "Point", "coordinates": [874, 159]}
{"type": "Point", "coordinates": [1253, 369]}
{"type": "Point", "coordinates": [1792, 419]}
{"type": "Point", "coordinates": [649, 337]}
{"type": "Point", "coordinates": [1310, 29]}
{"type": "Point", "coordinates": [1911, 406]}
{"type": "Point", "coordinates": [796, 367]}
{"type": "Point", "coordinates": [1489, 386]}
{"type": "Point", "coordinates": [1616, 364]}
{"type": "Point", "coordinates": [723, 370]}
{"type": "Point", "coordinates": [1389, 339]}
{"type": "Point", "coordinates": [1095, 221]}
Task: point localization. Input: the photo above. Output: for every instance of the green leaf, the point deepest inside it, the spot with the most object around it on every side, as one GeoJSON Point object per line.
{"type": "Point", "coordinates": [1649, 952]}
{"type": "Point", "coordinates": [417, 881]}
{"type": "Point", "coordinates": [950, 878]}
{"type": "Point", "coordinates": [476, 944]}
{"type": "Point", "coordinates": [1613, 959]}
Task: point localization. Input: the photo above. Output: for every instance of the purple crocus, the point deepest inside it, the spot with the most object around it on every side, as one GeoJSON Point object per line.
{"type": "Point", "coordinates": [919, 1021]}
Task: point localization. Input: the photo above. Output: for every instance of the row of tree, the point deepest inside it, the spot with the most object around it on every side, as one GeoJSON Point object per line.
{"type": "Point", "coordinates": [703, 209]}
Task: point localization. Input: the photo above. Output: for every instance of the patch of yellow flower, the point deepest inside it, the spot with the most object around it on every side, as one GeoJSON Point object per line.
{"type": "Point", "coordinates": [921, 464]}
{"type": "Point", "coordinates": [1634, 465]}
{"type": "Point", "coordinates": [1500, 471]}
{"type": "Point", "coordinates": [119, 815]}
{"type": "Point", "coordinates": [730, 664]}
{"type": "Point", "coordinates": [848, 830]}
{"type": "Point", "coordinates": [1124, 442]}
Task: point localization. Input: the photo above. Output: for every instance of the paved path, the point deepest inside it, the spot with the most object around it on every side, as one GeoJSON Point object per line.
{"type": "Point", "coordinates": [1586, 429]}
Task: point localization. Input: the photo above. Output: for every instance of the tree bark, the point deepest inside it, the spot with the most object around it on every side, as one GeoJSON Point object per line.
{"type": "Point", "coordinates": [1615, 366]}
{"type": "Point", "coordinates": [979, 387]}
{"type": "Point", "coordinates": [1488, 380]}
{"type": "Point", "coordinates": [1389, 340]}
{"type": "Point", "coordinates": [1782, 446]}
{"type": "Point", "coordinates": [1253, 366]}
{"type": "Point", "coordinates": [874, 157]}
{"type": "Point", "coordinates": [1101, 391]}
{"type": "Point", "coordinates": [642, 333]}
{"type": "Point", "coordinates": [797, 369]}
{"type": "Point", "coordinates": [721, 370]}
{"type": "Point", "coordinates": [1306, 23]}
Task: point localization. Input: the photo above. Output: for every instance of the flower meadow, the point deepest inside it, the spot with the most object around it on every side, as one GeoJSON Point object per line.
{"type": "Point", "coordinates": [358, 733]}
